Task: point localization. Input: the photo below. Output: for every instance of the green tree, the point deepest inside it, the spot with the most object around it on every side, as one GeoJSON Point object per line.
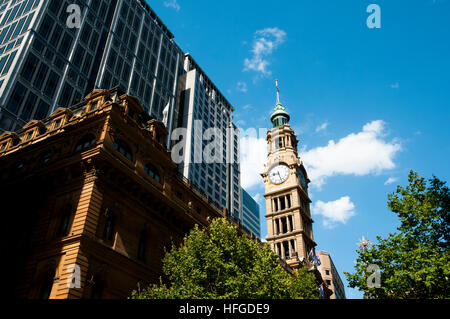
{"type": "Point", "coordinates": [218, 263]}
{"type": "Point", "coordinates": [415, 261]}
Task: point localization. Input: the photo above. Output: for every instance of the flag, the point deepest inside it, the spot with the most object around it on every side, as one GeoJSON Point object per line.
{"type": "Point", "coordinates": [311, 255]}
{"type": "Point", "coordinates": [317, 260]}
{"type": "Point", "coordinates": [321, 291]}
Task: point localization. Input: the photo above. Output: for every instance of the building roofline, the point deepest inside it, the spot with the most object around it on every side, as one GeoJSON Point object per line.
{"type": "Point", "coordinates": [157, 19]}
{"type": "Point", "coordinates": [207, 78]}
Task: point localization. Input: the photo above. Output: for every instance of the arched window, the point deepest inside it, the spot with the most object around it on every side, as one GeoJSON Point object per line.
{"type": "Point", "coordinates": [65, 221]}
{"type": "Point", "coordinates": [123, 149]}
{"type": "Point", "coordinates": [142, 245]}
{"type": "Point", "coordinates": [85, 142]}
{"type": "Point", "coordinates": [152, 171]}
{"type": "Point", "coordinates": [108, 232]}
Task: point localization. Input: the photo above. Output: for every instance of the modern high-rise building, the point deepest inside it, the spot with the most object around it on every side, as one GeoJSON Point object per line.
{"type": "Point", "coordinates": [331, 276]}
{"type": "Point", "coordinates": [46, 63]}
{"type": "Point", "coordinates": [250, 214]}
{"type": "Point", "coordinates": [211, 147]}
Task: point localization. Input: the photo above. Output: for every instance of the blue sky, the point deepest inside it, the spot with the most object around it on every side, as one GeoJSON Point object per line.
{"type": "Point", "coordinates": [382, 96]}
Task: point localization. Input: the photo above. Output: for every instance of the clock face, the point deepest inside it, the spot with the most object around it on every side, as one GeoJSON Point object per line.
{"type": "Point", "coordinates": [302, 178]}
{"type": "Point", "coordinates": [279, 174]}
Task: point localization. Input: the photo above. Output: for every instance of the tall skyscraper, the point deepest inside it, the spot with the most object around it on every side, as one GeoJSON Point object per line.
{"type": "Point", "coordinates": [250, 214]}
{"type": "Point", "coordinates": [46, 64]}
{"type": "Point", "coordinates": [211, 152]}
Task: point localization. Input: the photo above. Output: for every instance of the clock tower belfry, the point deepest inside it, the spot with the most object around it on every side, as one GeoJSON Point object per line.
{"type": "Point", "coordinates": [289, 223]}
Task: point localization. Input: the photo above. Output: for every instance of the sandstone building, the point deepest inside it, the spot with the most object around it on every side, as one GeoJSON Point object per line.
{"type": "Point", "coordinates": [92, 190]}
{"type": "Point", "coordinates": [289, 222]}
{"type": "Point", "coordinates": [331, 276]}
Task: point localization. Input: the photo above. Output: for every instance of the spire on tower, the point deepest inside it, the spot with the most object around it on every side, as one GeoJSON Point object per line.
{"type": "Point", "coordinates": [279, 116]}
{"type": "Point", "coordinates": [278, 92]}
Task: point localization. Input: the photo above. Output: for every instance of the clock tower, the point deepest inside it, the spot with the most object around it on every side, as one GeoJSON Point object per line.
{"type": "Point", "coordinates": [289, 223]}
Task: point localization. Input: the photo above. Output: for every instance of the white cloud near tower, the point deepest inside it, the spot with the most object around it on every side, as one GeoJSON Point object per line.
{"type": "Point", "coordinates": [265, 42]}
{"type": "Point", "coordinates": [362, 153]}
{"type": "Point", "coordinates": [334, 212]}
{"type": "Point", "coordinates": [253, 159]}
{"type": "Point", "coordinates": [172, 4]}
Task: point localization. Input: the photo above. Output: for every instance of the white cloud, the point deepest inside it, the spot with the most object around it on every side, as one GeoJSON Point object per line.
{"type": "Point", "coordinates": [357, 154]}
{"type": "Point", "coordinates": [390, 181]}
{"type": "Point", "coordinates": [172, 4]}
{"type": "Point", "coordinates": [242, 87]}
{"type": "Point", "coordinates": [253, 158]}
{"type": "Point", "coordinates": [395, 85]}
{"type": "Point", "coordinates": [265, 42]}
{"type": "Point", "coordinates": [322, 127]}
{"type": "Point", "coordinates": [338, 211]}
{"type": "Point", "coordinates": [257, 197]}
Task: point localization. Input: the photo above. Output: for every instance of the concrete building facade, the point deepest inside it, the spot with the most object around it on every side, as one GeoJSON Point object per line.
{"type": "Point", "coordinates": [211, 147]}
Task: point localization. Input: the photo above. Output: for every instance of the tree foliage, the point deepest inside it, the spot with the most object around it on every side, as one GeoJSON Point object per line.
{"type": "Point", "coordinates": [218, 263]}
{"type": "Point", "coordinates": [415, 261]}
